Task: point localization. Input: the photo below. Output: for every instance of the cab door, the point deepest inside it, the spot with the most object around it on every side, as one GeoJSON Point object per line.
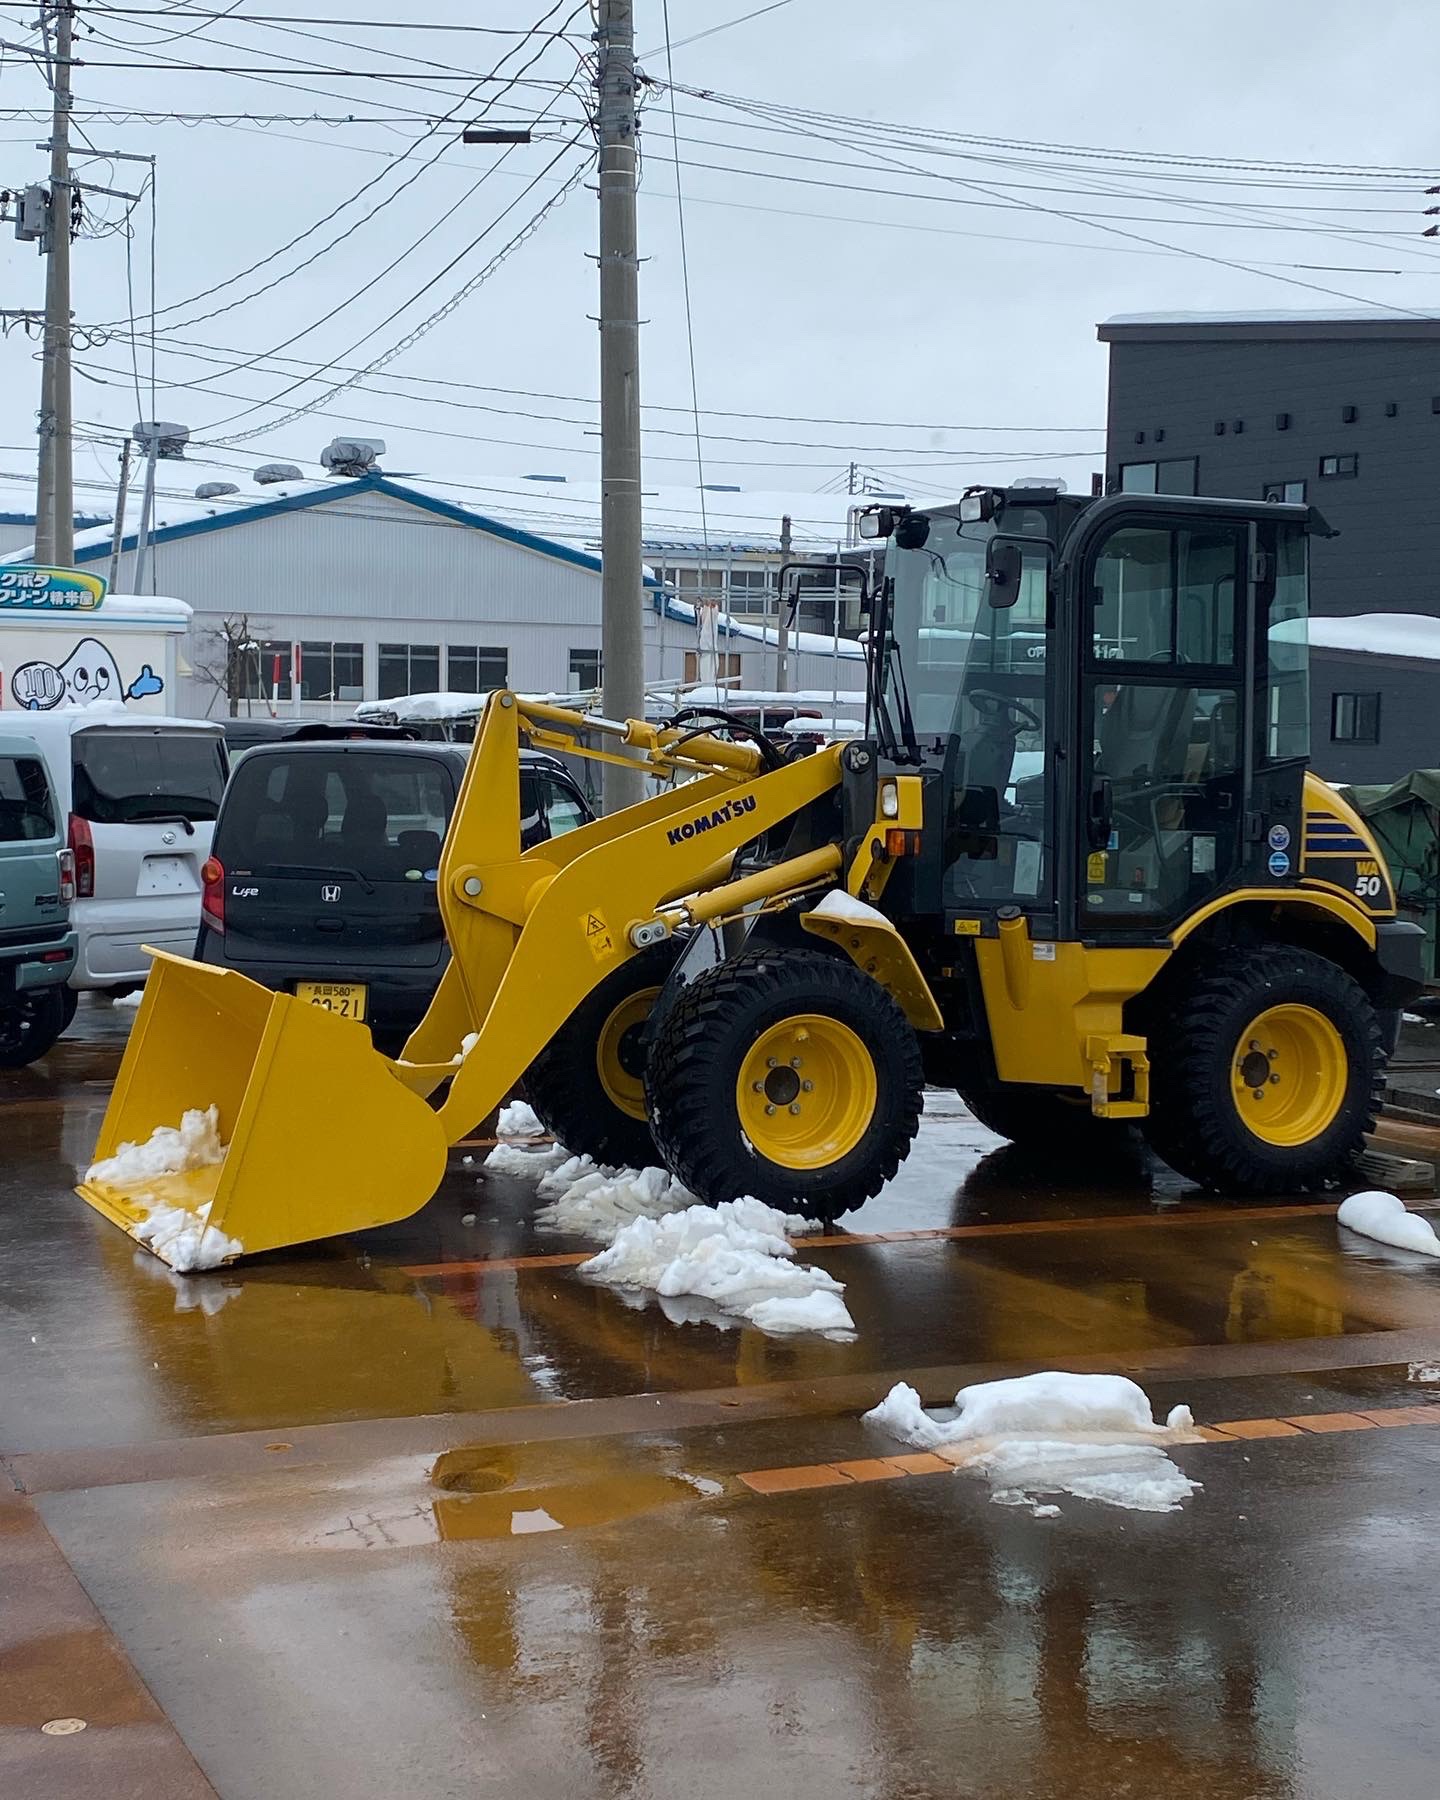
{"type": "Point", "coordinates": [1162, 722]}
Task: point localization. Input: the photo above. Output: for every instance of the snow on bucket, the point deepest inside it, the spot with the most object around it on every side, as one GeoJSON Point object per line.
{"type": "Point", "coordinates": [322, 1137]}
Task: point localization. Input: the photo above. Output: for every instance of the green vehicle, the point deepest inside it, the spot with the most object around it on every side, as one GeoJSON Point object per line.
{"type": "Point", "coordinates": [37, 884]}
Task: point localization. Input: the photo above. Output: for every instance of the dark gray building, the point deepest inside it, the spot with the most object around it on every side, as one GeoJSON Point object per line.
{"type": "Point", "coordinates": [1341, 409]}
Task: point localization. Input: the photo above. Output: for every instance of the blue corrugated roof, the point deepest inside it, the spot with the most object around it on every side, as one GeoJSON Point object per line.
{"type": "Point", "coordinates": [344, 490]}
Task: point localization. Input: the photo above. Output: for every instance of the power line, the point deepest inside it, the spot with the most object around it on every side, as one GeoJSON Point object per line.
{"type": "Point", "coordinates": [350, 199]}
{"type": "Point", "coordinates": [685, 287]}
{"type": "Point", "coordinates": [417, 332]}
{"type": "Point", "coordinates": [1120, 231]}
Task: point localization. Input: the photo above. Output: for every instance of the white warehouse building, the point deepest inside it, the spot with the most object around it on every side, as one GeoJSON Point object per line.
{"type": "Point", "coordinates": [375, 587]}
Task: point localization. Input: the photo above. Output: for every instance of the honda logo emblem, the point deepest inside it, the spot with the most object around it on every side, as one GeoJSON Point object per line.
{"type": "Point", "coordinates": [330, 893]}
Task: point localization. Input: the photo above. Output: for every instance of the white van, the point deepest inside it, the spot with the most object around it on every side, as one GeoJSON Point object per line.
{"type": "Point", "coordinates": [140, 793]}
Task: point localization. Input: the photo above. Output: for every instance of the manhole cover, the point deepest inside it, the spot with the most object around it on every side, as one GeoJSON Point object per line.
{"type": "Point", "coordinates": [62, 1727]}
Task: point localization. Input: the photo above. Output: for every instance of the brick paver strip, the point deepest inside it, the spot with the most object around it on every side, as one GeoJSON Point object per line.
{"type": "Point", "coordinates": [1341, 1421]}
{"type": "Point", "coordinates": [788, 1481]}
{"type": "Point", "coordinates": [1257, 1428]}
{"type": "Point", "coordinates": [870, 1468]}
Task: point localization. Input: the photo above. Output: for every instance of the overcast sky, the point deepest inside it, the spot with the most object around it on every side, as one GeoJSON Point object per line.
{"type": "Point", "coordinates": [925, 307]}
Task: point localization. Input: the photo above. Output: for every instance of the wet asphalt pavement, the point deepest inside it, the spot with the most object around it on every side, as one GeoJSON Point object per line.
{"type": "Point", "coordinates": [422, 1511]}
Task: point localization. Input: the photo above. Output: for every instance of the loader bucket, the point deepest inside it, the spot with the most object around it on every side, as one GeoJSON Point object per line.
{"type": "Point", "coordinates": [323, 1137]}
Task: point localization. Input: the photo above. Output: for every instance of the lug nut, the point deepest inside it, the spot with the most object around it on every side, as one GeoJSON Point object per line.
{"type": "Point", "coordinates": [807, 1087]}
{"type": "Point", "coordinates": [1274, 1081]}
{"type": "Point", "coordinates": [1254, 1043]}
{"type": "Point", "coordinates": [770, 1063]}
{"type": "Point", "coordinates": [794, 1062]}
{"type": "Point", "coordinates": [795, 1108]}
{"type": "Point", "coordinates": [1273, 1055]}
{"type": "Point", "coordinates": [768, 1111]}
{"type": "Point", "coordinates": [757, 1087]}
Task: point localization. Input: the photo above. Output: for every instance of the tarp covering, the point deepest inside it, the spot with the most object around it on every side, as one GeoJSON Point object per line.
{"type": "Point", "coordinates": [1405, 817]}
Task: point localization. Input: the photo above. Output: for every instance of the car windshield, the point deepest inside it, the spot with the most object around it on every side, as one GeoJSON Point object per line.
{"type": "Point", "coordinates": [125, 778]}
{"type": "Point", "coordinates": [374, 815]}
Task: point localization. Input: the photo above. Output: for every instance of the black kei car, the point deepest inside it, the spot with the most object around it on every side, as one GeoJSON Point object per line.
{"type": "Point", "coordinates": [322, 876]}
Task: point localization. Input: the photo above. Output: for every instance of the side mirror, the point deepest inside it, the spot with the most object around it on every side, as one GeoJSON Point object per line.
{"type": "Point", "coordinates": [1004, 561]}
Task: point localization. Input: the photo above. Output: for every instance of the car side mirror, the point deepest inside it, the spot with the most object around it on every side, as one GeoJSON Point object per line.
{"type": "Point", "coordinates": [1004, 562]}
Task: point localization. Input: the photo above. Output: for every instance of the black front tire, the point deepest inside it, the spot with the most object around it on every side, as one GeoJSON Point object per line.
{"type": "Point", "coordinates": [29, 1025]}
{"type": "Point", "coordinates": [696, 1063]}
{"type": "Point", "coordinates": [1197, 1119]}
{"type": "Point", "coordinates": [587, 1090]}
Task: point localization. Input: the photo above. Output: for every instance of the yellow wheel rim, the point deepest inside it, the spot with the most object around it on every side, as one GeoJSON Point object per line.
{"type": "Point", "coordinates": [806, 1092]}
{"type": "Point", "coordinates": [618, 1060]}
{"type": "Point", "coordinates": [1289, 1075]}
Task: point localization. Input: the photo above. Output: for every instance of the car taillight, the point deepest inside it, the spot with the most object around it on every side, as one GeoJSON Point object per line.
{"type": "Point", "coordinates": [66, 862]}
{"type": "Point", "coordinates": [212, 898]}
{"type": "Point", "coordinates": [82, 848]}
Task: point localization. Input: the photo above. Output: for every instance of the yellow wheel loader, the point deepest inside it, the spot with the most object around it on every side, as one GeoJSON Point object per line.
{"type": "Point", "coordinates": [1077, 869]}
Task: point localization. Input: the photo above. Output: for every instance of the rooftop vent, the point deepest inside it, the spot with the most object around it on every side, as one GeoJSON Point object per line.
{"type": "Point", "coordinates": [269, 473]}
{"type": "Point", "coordinates": [352, 456]}
{"type": "Point", "coordinates": [212, 490]}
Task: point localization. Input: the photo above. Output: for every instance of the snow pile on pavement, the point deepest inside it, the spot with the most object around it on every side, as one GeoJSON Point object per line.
{"type": "Point", "coordinates": [169, 1150]}
{"type": "Point", "coordinates": [521, 1159]}
{"type": "Point", "coordinates": [1093, 1436]}
{"type": "Point", "coordinates": [519, 1119]}
{"type": "Point", "coordinates": [186, 1240]}
{"type": "Point", "coordinates": [133, 998]}
{"type": "Point", "coordinates": [734, 1255]}
{"type": "Point", "coordinates": [1385, 1218]}
{"type": "Point", "coordinates": [600, 1203]}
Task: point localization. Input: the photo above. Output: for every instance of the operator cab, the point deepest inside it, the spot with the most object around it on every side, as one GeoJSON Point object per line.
{"type": "Point", "coordinates": [1099, 693]}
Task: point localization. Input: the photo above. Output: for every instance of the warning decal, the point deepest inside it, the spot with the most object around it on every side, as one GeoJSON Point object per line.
{"type": "Point", "coordinates": [597, 935]}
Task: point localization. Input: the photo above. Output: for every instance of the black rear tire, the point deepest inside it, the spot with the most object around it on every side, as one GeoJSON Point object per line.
{"type": "Point", "coordinates": [587, 1084]}
{"type": "Point", "coordinates": [1203, 1086]}
{"type": "Point", "coordinates": [29, 1025]}
{"type": "Point", "coordinates": [700, 1052]}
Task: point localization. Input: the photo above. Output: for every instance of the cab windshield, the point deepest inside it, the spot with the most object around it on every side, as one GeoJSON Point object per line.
{"type": "Point", "coordinates": [966, 682]}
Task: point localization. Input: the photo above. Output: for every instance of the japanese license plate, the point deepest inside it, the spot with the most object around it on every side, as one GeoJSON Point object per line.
{"type": "Point", "coordinates": [344, 997]}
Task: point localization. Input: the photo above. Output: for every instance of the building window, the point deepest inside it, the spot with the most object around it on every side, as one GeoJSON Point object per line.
{"type": "Point", "coordinates": [584, 670]}
{"type": "Point", "coordinates": [476, 668]}
{"type": "Point", "coordinates": [265, 670]}
{"type": "Point", "coordinates": [727, 665]}
{"type": "Point", "coordinates": [1292, 492]}
{"type": "Point", "coordinates": [1339, 465]}
{"type": "Point", "coordinates": [750, 591]}
{"type": "Point", "coordinates": [1355, 718]}
{"type": "Point", "coordinates": [1175, 475]}
{"type": "Point", "coordinates": [332, 671]}
{"type": "Point", "coordinates": [408, 669]}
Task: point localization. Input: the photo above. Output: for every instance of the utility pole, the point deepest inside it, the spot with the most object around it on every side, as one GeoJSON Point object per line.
{"type": "Point", "coordinates": [54, 491]}
{"type": "Point", "coordinates": [782, 615]}
{"type": "Point", "coordinates": [622, 641]}
{"type": "Point", "coordinates": [117, 536]}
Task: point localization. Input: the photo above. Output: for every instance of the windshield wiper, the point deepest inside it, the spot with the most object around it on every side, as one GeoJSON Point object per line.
{"type": "Point", "coordinates": [165, 818]}
{"type": "Point", "coordinates": [309, 872]}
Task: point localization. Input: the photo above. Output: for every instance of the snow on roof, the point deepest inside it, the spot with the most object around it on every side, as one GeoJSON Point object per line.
{"type": "Point", "coordinates": [1333, 315]}
{"type": "Point", "coordinates": [730, 697]}
{"type": "Point", "coordinates": [811, 643]}
{"type": "Point", "coordinates": [1368, 634]}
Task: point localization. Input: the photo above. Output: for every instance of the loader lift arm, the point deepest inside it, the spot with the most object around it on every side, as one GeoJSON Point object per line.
{"type": "Point", "coordinates": [326, 1136]}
